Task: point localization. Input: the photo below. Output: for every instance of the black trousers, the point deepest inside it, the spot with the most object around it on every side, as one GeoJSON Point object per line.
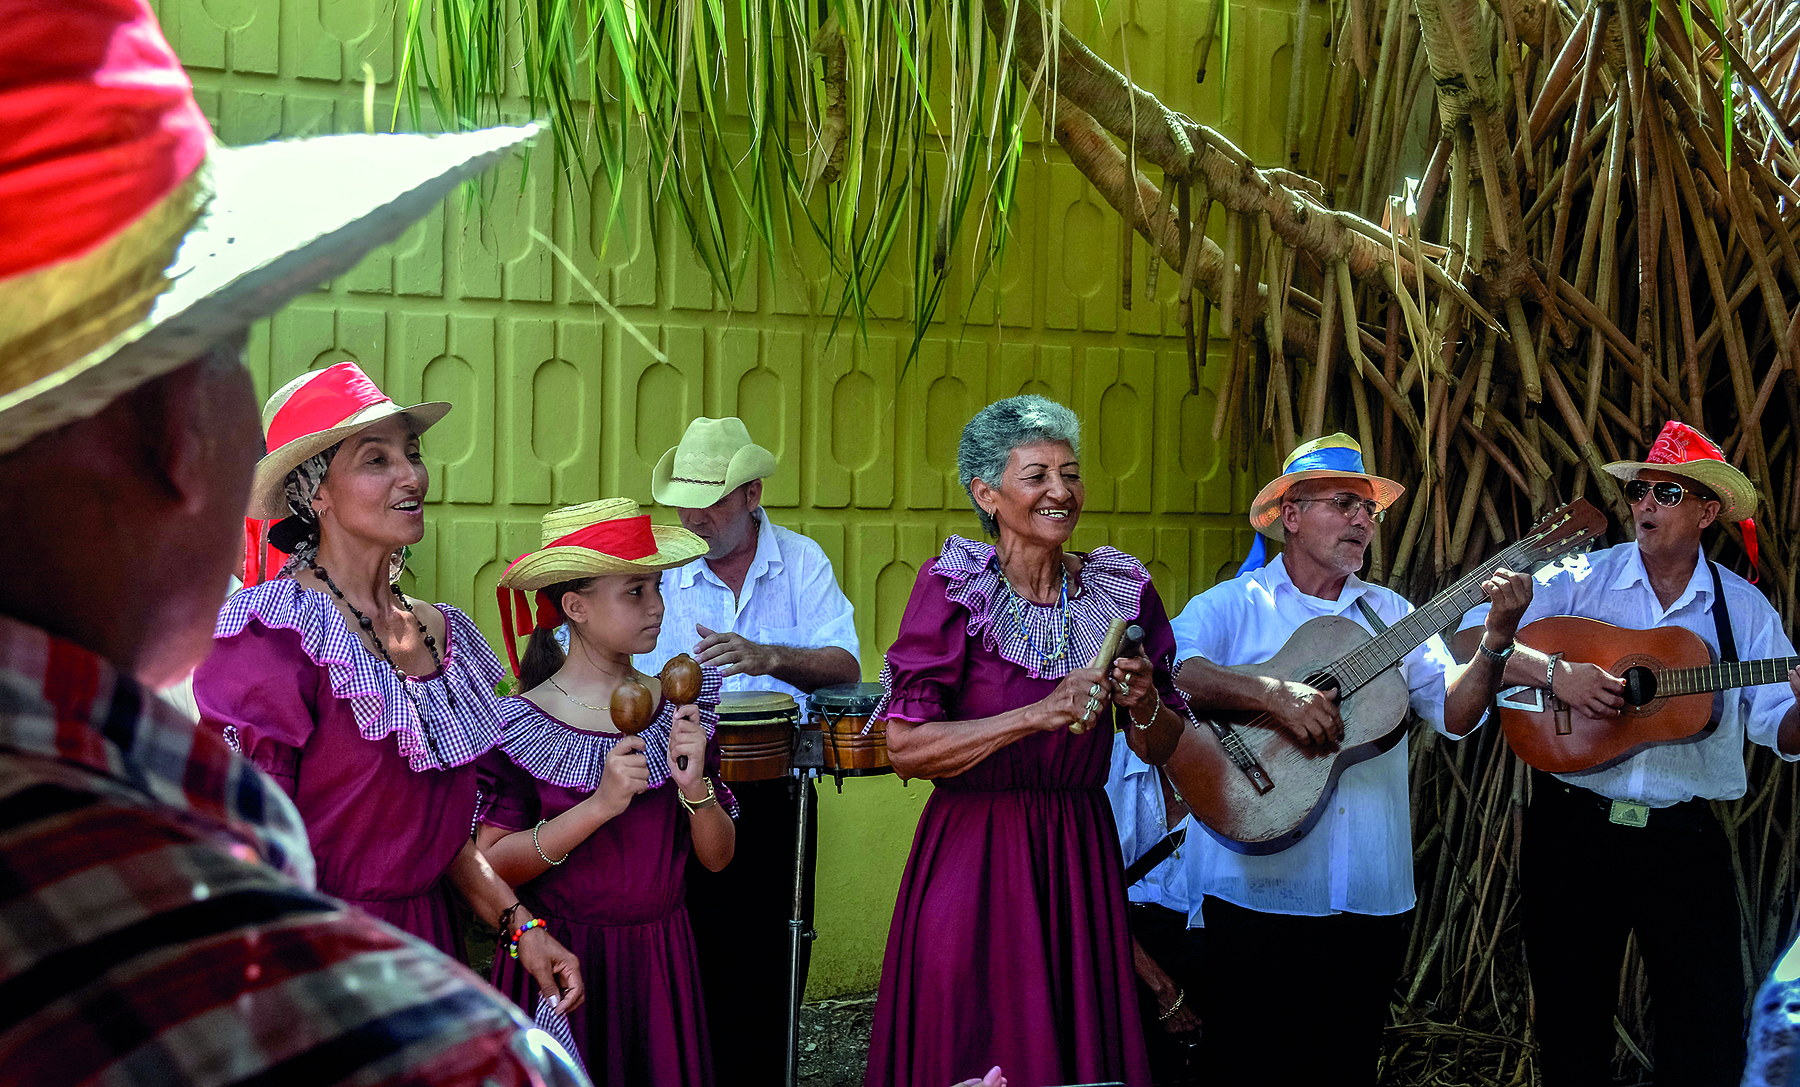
{"type": "Point", "coordinates": [1587, 883]}
{"type": "Point", "coordinates": [1181, 952]}
{"type": "Point", "coordinates": [1297, 1000]}
{"type": "Point", "coordinates": [740, 919]}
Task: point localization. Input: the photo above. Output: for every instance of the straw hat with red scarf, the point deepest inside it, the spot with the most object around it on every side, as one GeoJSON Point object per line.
{"type": "Point", "coordinates": [1680, 450]}
{"type": "Point", "coordinates": [131, 243]}
{"type": "Point", "coordinates": [589, 540]}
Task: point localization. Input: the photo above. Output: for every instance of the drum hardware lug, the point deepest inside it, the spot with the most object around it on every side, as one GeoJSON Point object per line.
{"type": "Point", "coordinates": [809, 749]}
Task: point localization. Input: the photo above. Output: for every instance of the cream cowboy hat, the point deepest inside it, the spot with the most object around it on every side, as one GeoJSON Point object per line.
{"type": "Point", "coordinates": [338, 401]}
{"type": "Point", "coordinates": [1335, 456]}
{"type": "Point", "coordinates": [1680, 450]}
{"type": "Point", "coordinates": [134, 243]}
{"type": "Point", "coordinates": [607, 537]}
{"type": "Point", "coordinates": [715, 457]}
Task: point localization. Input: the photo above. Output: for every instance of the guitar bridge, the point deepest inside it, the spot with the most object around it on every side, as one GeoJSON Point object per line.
{"type": "Point", "coordinates": [1242, 758]}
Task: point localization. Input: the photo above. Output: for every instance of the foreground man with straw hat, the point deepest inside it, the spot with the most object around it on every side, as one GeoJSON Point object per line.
{"type": "Point", "coordinates": [1634, 847]}
{"type": "Point", "coordinates": [1331, 909]}
{"type": "Point", "coordinates": [765, 608]}
{"type": "Point", "coordinates": [157, 909]}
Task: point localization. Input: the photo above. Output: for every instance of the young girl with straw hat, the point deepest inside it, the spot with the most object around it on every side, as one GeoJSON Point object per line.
{"type": "Point", "coordinates": [595, 826]}
{"type": "Point", "coordinates": [368, 707]}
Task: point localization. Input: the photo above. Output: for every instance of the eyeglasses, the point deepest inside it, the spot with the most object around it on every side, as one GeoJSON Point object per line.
{"type": "Point", "coordinates": [1347, 504]}
{"type": "Point", "coordinates": [1667, 494]}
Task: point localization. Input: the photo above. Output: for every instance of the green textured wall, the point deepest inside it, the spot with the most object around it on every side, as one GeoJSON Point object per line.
{"type": "Point", "coordinates": [554, 405]}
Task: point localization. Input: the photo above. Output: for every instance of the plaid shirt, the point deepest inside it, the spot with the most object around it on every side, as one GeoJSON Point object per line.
{"type": "Point", "coordinates": [155, 926]}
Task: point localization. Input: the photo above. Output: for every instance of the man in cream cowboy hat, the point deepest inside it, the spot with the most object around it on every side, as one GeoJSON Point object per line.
{"type": "Point", "coordinates": [1633, 847]}
{"type": "Point", "coordinates": [1331, 907]}
{"type": "Point", "coordinates": [158, 910]}
{"type": "Point", "coordinates": [764, 607]}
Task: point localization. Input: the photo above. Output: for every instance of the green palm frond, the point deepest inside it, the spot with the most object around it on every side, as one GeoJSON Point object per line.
{"type": "Point", "coordinates": [756, 121]}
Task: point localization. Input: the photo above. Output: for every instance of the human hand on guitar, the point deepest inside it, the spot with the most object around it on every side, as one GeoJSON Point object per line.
{"type": "Point", "coordinates": [1588, 688]}
{"type": "Point", "coordinates": [1083, 695]}
{"type": "Point", "coordinates": [1509, 594]}
{"type": "Point", "coordinates": [1308, 715]}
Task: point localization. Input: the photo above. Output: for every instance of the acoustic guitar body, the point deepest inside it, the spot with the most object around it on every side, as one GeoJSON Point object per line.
{"type": "Point", "coordinates": [1229, 803]}
{"type": "Point", "coordinates": [1553, 736]}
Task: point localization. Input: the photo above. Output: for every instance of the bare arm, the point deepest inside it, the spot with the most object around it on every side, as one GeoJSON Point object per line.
{"type": "Point", "coordinates": [1152, 727]}
{"type": "Point", "coordinates": [1307, 715]}
{"type": "Point", "coordinates": [1787, 736]}
{"type": "Point", "coordinates": [807, 669]}
{"type": "Point", "coordinates": [1587, 687]}
{"type": "Point", "coordinates": [1469, 689]}
{"type": "Point", "coordinates": [714, 834]}
{"type": "Point", "coordinates": [556, 971]}
{"type": "Point", "coordinates": [939, 749]}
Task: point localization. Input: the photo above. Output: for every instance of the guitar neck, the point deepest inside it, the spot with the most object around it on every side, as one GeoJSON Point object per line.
{"type": "Point", "coordinates": [1391, 646]}
{"type": "Point", "coordinates": [1724, 676]}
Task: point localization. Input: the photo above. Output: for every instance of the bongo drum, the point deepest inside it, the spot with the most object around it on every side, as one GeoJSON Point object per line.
{"type": "Point", "coordinates": [840, 712]}
{"type": "Point", "coordinates": [756, 735]}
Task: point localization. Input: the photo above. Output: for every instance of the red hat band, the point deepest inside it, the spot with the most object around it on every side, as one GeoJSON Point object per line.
{"type": "Point", "coordinates": [1682, 444]}
{"type": "Point", "coordinates": [325, 402]}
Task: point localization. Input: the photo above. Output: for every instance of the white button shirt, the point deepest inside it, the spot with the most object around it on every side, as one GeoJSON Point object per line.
{"type": "Point", "coordinates": [790, 597]}
{"type": "Point", "coordinates": [1136, 794]}
{"type": "Point", "coordinates": [1358, 856]}
{"type": "Point", "coordinates": [1613, 587]}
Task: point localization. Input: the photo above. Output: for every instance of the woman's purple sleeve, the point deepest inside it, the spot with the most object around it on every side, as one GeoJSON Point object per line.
{"type": "Point", "coordinates": [506, 795]}
{"type": "Point", "coordinates": [925, 663]}
{"type": "Point", "coordinates": [259, 690]}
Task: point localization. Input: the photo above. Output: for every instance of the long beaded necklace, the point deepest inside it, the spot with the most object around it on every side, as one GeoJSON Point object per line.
{"type": "Point", "coordinates": [1017, 609]}
{"type": "Point", "coordinates": [368, 627]}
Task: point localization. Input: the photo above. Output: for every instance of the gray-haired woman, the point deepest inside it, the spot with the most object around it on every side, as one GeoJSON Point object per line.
{"type": "Point", "coordinates": [1009, 942]}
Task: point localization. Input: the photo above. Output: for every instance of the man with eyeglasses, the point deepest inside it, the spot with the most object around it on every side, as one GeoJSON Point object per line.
{"type": "Point", "coordinates": [1327, 915]}
{"type": "Point", "coordinates": [1634, 846]}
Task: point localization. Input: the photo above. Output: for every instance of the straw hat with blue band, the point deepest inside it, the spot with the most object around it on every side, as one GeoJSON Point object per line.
{"type": "Point", "coordinates": [1335, 456]}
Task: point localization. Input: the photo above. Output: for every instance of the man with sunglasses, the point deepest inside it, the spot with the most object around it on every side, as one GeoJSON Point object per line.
{"type": "Point", "coordinates": [1328, 913]}
{"type": "Point", "coordinates": [1634, 846]}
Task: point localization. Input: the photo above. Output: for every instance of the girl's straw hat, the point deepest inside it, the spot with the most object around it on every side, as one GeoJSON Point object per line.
{"type": "Point", "coordinates": [605, 537]}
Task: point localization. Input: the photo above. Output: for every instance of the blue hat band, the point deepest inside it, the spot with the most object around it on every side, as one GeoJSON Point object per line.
{"type": "Point", "coordinates": [1333, 459]}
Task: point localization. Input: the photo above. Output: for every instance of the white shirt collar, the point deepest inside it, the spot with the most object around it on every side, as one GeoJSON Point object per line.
{"type": "Point", "coordinates": [1632, 572]}
{"type": "Point", "coordinates": [1276, 577]}
{"type": "Point", "coordinates": [767, 559]}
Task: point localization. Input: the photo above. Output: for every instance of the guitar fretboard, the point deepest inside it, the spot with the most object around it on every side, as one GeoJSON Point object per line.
{"type": "Point", "coordinates": [1723, 676]}
{"type": "Point", "coordinates": [1386, 649]}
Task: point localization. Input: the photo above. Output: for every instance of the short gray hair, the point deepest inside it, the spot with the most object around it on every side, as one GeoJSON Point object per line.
{"type": "Point", "coordinates": [1001, 427]}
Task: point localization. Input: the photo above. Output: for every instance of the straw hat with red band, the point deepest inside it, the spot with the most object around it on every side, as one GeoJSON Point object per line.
{"type": "Point", "coordinates": [132, 244]}
{"type": "Point", "coordinates": [1680, 450]}
{"type": "Point", "coordinates": [590, 540]}
{"type": "Point", "coordinates": [314, 412]}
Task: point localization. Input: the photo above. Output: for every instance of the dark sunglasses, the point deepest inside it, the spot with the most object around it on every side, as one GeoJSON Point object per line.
{"type": "Point", "coordinates": [1667, 494]}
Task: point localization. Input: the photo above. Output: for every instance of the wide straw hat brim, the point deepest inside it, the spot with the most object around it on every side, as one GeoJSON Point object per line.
{"type": "Point", "coordinates": [675, 546]}
{"type": "Point", "coordinates": [284, 218]}
{"type": "Point", "coordinates": [1737, 495]}
{"type": "Point", "coordinates": [268, 489]}
{"type": "Point", "coordinates": [1265, 512]}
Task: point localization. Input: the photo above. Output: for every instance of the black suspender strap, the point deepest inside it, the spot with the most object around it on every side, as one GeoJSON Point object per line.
{"type": "Point", "coordinates": [1154, 856]}
{"type": "Point", "coordinates": [1722, 617]}
{"type": "Point", "coordinates": [1369, 614]}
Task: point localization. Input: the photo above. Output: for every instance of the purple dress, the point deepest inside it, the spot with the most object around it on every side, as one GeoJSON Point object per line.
{"type": "Point", "coordinates": [388, 801]}
{"type": "Point", "coordinates": [1009, 943]}
{"type": "Point", "coordinates": [619, 900]}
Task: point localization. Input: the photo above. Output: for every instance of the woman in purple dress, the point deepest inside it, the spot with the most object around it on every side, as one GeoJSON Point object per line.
{"type": "Point", "coordinates": [368, 707]}
{"type": "Point", "coordinates": [1009, 940]}
{"type": "Point", "coordinates": [594, 826]}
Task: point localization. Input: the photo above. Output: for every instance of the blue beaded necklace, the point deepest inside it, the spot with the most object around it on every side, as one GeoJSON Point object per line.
{"type": "Point", "coordinates": [1062, 641]}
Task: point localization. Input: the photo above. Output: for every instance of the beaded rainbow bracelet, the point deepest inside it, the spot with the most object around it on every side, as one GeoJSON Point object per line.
{"type": "Point", "coordinates": [535, 922]}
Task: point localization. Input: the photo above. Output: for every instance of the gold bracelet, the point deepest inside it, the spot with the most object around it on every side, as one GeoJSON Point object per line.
{"type": "Point", "coordinates": [1180, 995]}
{"type": "Point", "coordinates": [1153, 716]}
{"type": "Point", "coordinates": [693, 806]}
{"type": "Point", "coordinates": [540, 849]}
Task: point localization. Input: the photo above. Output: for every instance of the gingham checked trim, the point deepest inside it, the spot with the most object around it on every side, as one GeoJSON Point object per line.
{"type": "Point", "coordinates": [374, 691]}
{"type": "Point", "coordinates": [560, 754]}
{"type": "Point", "coordinates": [1110, 586]}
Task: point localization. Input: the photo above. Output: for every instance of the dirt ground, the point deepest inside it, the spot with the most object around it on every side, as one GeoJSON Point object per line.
{"type": "Point", "coordinates": [834, 1041]}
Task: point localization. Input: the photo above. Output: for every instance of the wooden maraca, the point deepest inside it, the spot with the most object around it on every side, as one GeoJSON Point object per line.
{"type": "Point", "coordinates": [631, 707]}
{"type": "Point", "coordinates": [681, 685]}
